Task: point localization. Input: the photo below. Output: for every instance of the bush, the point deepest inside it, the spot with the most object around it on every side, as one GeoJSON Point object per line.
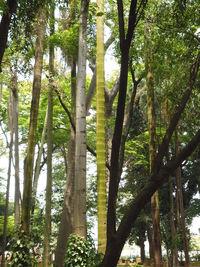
{"type": "Point", "coordinates": [20, 249]}
{"type": "Point", "coordinates": [81, 252]}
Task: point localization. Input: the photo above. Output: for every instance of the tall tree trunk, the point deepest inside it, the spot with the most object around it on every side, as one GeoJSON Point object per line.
{"type": "Point", "coordinates": [80, 147]}
{"type": "Point", "coordinates": [4, 26]}
{"type": "Point", "coordinates": [100, 131]}
{"type": "Point", "coordinates": [16, 142]}
{"type": "Point", "coordinates": [38, 161]}
{"type": "Point", "coordinates": [175, 262]}
{"type": "Point", "coordinates": [47, 224]}
{"type": "Point", "coordinates": [66, 224]}
{"type": "Point", "coordinates": [4, 241]}
{"type": "Point", "coordinates": [27, 194]}
{"type": "Point", "coordinates": [152, 145]}
{"type": "Point", "coordinates": [149, 236]}
{"type": "Point", "coordinates": [160, 174]}
{"type": "Point", "coordinates": [141, 243]}
{"type": "Point", "coordinates": [180, 196]}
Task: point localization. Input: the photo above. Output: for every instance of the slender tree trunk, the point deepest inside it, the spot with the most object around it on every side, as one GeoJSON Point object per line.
{"type": "Point", "coordinates": [47, 225]}
{"type": "Point", "coordinates": [4, 26]}
{"type": "Point", "coordinates": [66, 224]}
{"type": "Point", "coordinates": [152, 145]}
{"type": "Point", "coordinates": [27, 194]}
{"type": "Point", "coordinates": [4, 242]}
{"type": "Point", "coordinates": [67, 219]}
{"type": "Point", "coordinates": [80, 147]}
{"type": "Point", "coordinates": [16, 143]}
{"type": "Point", "coordinates": [172, 226]}
{"type": "Point", "coordinates": [38, 161]}
{"type": "Point", "coordinates": [142, 245]}
{"type": "Point", "coordinates": [180, 196]}
{"type": "Point", "coordinates": [149, 236]}
{"type": "Point", "coordinates": [100, 131]}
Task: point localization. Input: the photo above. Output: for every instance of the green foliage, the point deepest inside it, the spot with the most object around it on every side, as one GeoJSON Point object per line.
{"type": "Point", "coordinates": [81, 252]}
{"type": "Point", "coordinates": [21, 251]}
{"type": "Point", "coordinates": [67, 40]}
{"type": "Point", "coordinates": [10, 225]}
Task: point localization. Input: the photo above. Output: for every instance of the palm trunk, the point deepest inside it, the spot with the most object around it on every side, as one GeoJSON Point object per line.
{"type": "Point", "coordinates": [15, 124]}
{"type": "Point", "coordinates": [47, 225]}
{"type": "Point", "coordinates": [100, 131]}
{"type": "Point", "coordinates": [4, 241]}
{"type": "Point", "coordinates": [180, 196]}
{"type": "Point", "coordinates": [27, 194]}
{"type": "Point", "coordinates": [80, 147]}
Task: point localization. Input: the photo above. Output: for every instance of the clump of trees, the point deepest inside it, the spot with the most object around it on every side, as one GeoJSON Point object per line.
{"type": "Point", "coordinates": [136, 124]}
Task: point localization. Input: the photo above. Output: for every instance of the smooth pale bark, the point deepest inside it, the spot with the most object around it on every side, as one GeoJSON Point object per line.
{"type": "Point", "coordinates": [4, 241]}
{"type": "Point", "coordinates": [38, 161]}
{"type": "Point", "coordinates": [65, 228]}
{"type": "Point", "coordinates": [155, 207]}
{"type": "Point", "coordinates": [80, 146]}
{"type": "Point", "coordinates": [16, 144]}
{"type": "Point", "coordinates": [174, 253]}
{"type": "Point", "coordinates": [4, 26]}
{"type": "Point", "coordinates": [47, 224]}
{"type": "Point", "coordinates": [100, 131]}
{"type": "Point", "coordinates": [27, 194]}
{"type": "Point", "coordinates": [180, 197]}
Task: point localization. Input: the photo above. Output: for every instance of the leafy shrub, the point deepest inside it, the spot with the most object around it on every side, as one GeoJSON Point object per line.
{"type": "Point", "coordinates": [20, 249]}
{"type": "Point", "coordinates": [81, 253]}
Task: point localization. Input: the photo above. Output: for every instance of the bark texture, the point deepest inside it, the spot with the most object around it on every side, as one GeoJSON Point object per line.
{"type": "Point", "coordinates": [27, 199]}
{"type": "Point", "coordinates": [100, 131]}
{"type": "Point", "coordinates": [47, 224]}
{"type": "Point", "coordinates": [16, 144]}
{"type": "Point", "coordinates": [155, 207]}
{"type": "Point", "coordinates": [80, 147]}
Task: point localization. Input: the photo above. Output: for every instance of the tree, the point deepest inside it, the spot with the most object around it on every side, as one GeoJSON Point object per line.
{"type": "Point", "coordinates": [16, 142]}
{"type": "Point", "coordinates": [47, 228]}
{"type": "Point", "coordinates": [100, 131]}
{"type": "Point", "coordinates": [27, 193]}
{"type": "Point", "coordinates": [180, 199]}
{"type": "Point", "coordinates": [10, 9]}
{"type": "Point", "coordinates": [156, 239]}
{"type": "Point", "coordinates": [80, 147]}
{"type": "Point", "coordinates": [160, 173]}
{"type": "Point", "coordinates": [4, 243]}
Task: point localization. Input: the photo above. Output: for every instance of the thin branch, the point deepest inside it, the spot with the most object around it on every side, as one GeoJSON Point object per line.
{"type": "Point", "coordinates": [141, 12]}
{"type": "Point", "coordinates": [65, 108]}
{"type": "Point", "coordinates": [121, 22]}
{"type": "Point", "coordinates": [73, 126]}
{"type": "Point", "coordinates": [174, 121]}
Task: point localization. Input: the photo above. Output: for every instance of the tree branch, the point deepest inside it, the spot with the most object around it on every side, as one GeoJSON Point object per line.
{"type": "Point", "coordinates": [174, 121]}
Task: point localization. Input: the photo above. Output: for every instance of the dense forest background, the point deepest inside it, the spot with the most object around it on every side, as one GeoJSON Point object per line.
{"type": "Point", "coordinates": [116, 154]}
